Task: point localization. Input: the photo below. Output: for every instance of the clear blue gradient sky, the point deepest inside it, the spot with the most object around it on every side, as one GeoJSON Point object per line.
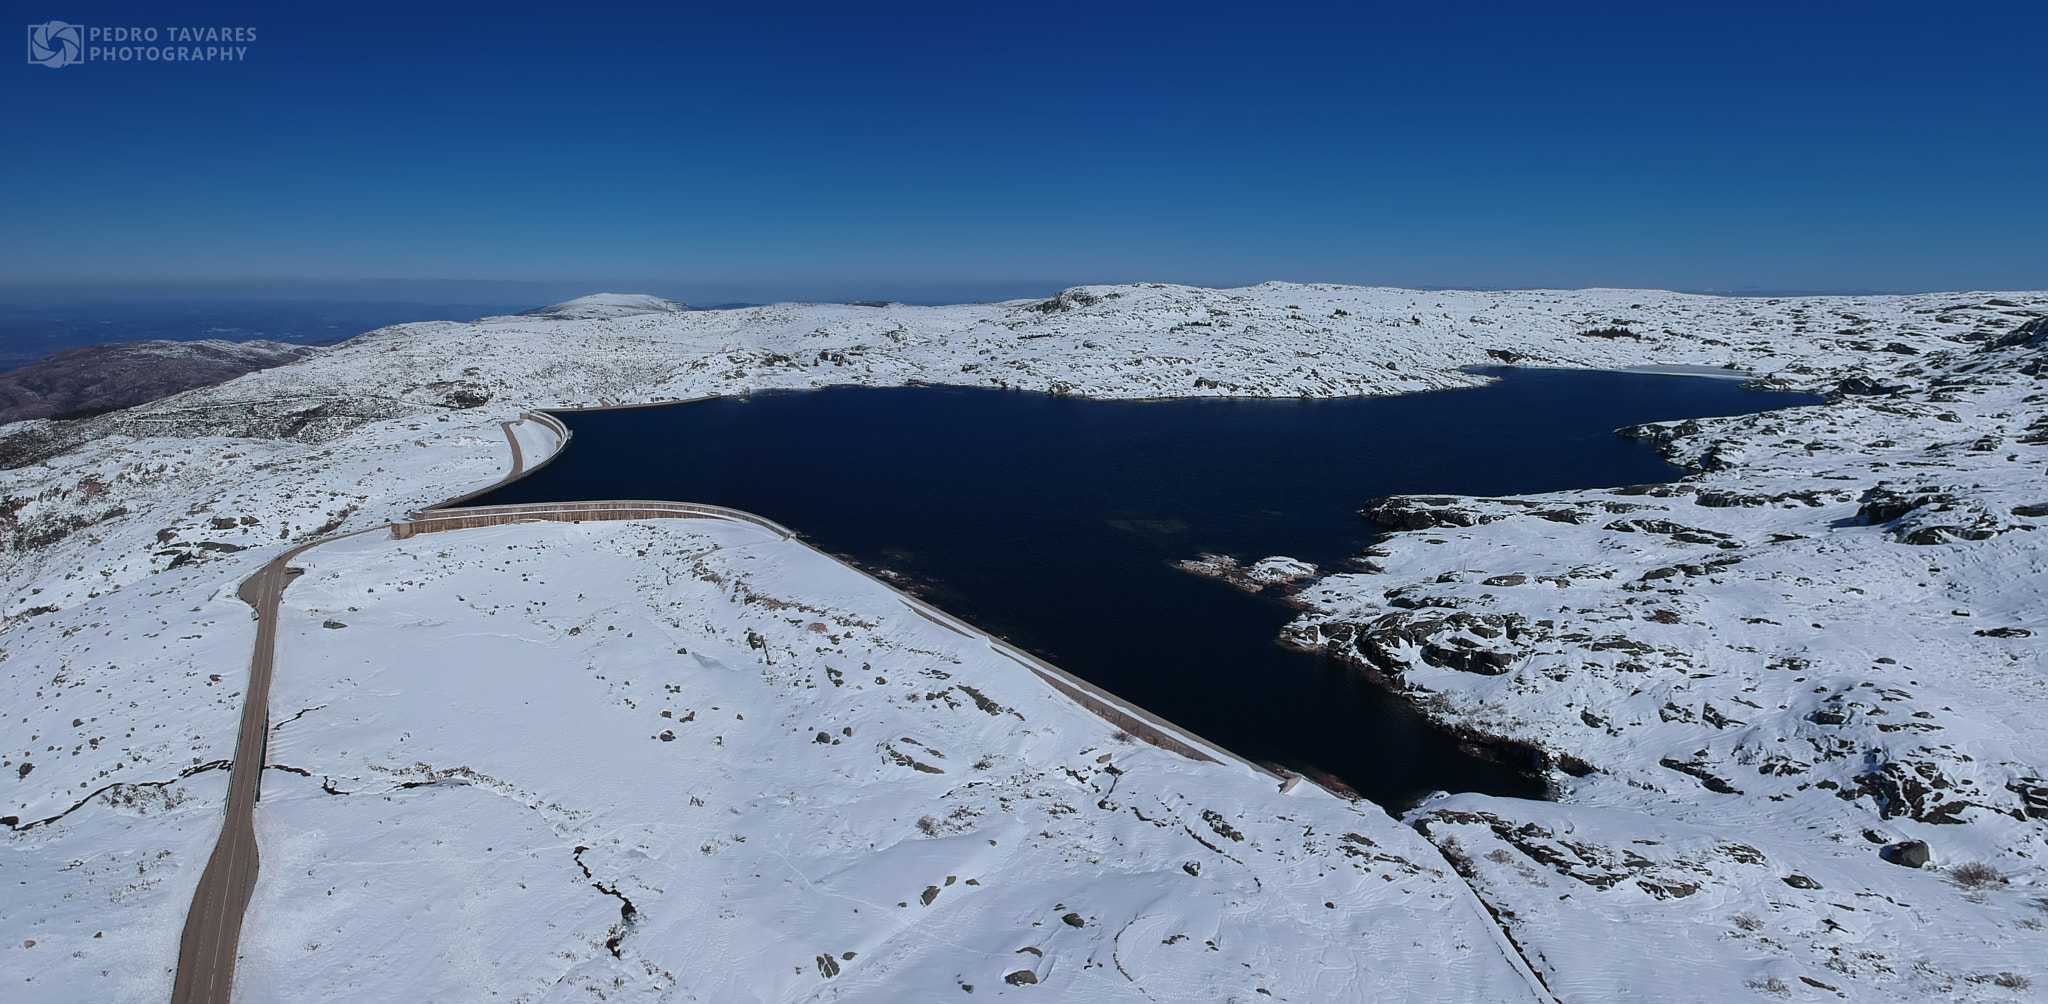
{"type": "Point", "coordinates": [927, 151]}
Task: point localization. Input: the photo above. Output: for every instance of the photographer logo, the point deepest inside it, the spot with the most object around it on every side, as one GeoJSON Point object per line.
{"type": "Point", "coordinates": [56, 43]}
{"type": "Point", "coordinates": [59, 43]}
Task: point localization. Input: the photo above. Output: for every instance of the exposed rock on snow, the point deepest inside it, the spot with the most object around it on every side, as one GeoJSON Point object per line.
{"type": "Point", "coordinates": [1822, 644]}
{"type": "Point", "coordinates": [1810, 649]}
{"type": "Point", "coordinates": [1910, 853]}
{"type": "Point", "coordinates": [1282, 575]}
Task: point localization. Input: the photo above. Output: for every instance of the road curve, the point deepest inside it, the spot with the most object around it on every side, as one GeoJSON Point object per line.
{"type": "Point", "coordinates": [212, 940]}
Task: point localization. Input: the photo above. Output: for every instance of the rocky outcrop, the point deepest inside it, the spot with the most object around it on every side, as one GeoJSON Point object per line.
{"type": "Point", "coordinates": [1930, 515]}
{"type": "Point", "coordinates": [1276, 576]}
{"type": "Point", "coordinates": [1387, 646]}
{"type": "Point", "coordinates": [1409, 512]}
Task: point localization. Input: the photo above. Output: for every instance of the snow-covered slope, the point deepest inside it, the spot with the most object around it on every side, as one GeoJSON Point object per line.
{"type": "Point", "coordinates": [126, 533]}
{"type": "Point", "coordinates": [98, 378]}
{"type": "Point", "coordinates": [724, 767]}
{"type": "Point", "coordinates": [1756, 686]}
{"type": "Point", "coordinates": [605, 305]}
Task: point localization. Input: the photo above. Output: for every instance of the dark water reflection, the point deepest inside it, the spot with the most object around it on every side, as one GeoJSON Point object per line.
{"type": "Point", "coordinates": [1054, 522]}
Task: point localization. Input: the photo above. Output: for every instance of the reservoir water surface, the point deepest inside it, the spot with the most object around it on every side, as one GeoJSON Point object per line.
{"type": "Point", "coordinates": [1055, 522]}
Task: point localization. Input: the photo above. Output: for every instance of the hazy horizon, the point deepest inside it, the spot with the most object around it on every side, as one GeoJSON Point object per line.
{"type": "Point", "coordinates": [528, 294]}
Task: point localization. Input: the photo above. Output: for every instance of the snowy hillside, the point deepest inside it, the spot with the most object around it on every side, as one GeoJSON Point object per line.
{"type": "Point", "coordinates": [724, 767]}
{"type": "Point", "coordinates": [98, 378]}
{"type": "Point", "coordinates": [1733, 679]}
{"type": "Point", "coordinates": [1821, 647]}
{"type": "Point", "coordinates": [605, 305]}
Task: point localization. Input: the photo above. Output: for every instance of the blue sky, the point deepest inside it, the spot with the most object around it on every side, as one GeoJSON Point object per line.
{"type": "Point", "coordinates": [934, 151]}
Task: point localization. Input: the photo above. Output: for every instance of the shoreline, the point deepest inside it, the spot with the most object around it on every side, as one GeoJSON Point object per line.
{"type": "Point", "coordinates": [1116, 710]}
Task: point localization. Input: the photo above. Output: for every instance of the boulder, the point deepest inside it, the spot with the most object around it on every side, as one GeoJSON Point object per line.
{"type": "Point", "coordinates": [1910, 853]}
{"type": "Point", "coordinates": [1865, 387]}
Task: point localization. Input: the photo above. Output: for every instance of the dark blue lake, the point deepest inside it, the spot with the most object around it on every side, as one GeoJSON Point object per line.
{"type": "Point", "coordinates": [1055, 522]}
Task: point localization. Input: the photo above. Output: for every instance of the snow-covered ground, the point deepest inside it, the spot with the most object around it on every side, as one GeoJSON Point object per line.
{"type": "Point", "coordinates": [1825, 643]}
{"type": "Point", "coordinates": [790, 783]}
{"type": "Point", "coordinates": [1726, 757]}
{"type": "Point", "coordinates": [606, 305]}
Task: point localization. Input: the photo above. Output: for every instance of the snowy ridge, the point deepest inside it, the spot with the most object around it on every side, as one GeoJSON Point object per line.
{"type": "Point", "coordinates": [126, 533]}
{"type": "Point", "coordinates": [606, 305]}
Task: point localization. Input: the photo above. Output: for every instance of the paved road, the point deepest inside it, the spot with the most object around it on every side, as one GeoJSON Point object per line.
{"type": "Point", "coordinates": [213, 929]}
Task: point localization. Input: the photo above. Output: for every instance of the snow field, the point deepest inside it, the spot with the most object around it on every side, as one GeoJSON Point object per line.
{"type": "Point", "coordinates": [656, 694]}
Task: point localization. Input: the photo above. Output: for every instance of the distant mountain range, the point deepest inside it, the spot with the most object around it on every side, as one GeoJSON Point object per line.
{"type": "Point", "coordinates": [81, 382]}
